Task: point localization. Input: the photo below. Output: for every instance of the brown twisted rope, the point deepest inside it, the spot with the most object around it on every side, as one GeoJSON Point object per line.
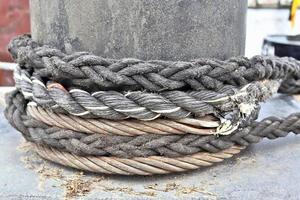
{"type": "Point", "coordinates": [138, 165]}
{"type": "Point", "coordinates": [202, 126]}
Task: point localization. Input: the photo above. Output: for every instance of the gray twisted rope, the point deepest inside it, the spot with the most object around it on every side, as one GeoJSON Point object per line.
{"type": "Point", "coordinates": [92, 73]}
{"type": "Point", "coordinates": [144, 145]}
{"type": "Point", "coordinates": [143, 105]}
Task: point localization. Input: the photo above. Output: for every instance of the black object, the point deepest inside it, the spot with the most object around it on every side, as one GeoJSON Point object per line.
{"type": "Point", "coordinates": [282, 45]}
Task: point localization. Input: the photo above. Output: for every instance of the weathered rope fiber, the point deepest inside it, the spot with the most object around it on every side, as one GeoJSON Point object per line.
{"type": "Point", "coordinates": [141, 105]}
{"type": "Point", "coordinates": [145, 145]}
{"type": "Point", "coordinates": [137, 165]}
{"type": "Point", "coordinates": [94, 73]}
{"type": "Point", "coordinates": [144, 117]}
{"type": "Point", "coordinates": [120, 146]}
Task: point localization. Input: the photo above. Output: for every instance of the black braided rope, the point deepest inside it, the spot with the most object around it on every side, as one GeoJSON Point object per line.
{"type": "Point", "coordinates": [92, 73]}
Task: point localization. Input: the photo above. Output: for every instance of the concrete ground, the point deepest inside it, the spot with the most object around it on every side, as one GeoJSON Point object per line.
{"type": "Point", "coordinates": [268, 170]}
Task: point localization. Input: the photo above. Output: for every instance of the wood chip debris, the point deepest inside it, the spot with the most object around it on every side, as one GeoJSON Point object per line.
{"type": "Point", "coordinates": [180, 190]}
{"type": "Point", "coordinates": [77, 184]}
{"type": "Point", "coordinates": [74, 184]}
{"type": "Point", "coordinates": [128, 190]}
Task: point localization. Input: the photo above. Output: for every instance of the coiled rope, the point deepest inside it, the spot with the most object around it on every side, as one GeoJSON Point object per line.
{"type": "Point", "coordinates": [144, 117]}
{"type": "Point", "coordinates": [171, 145]}
{"type": "Point", "coordinates": [137, 165]}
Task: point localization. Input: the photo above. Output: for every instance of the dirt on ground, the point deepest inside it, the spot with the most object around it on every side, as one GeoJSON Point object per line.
{"type": "Point", "coordinates": [76, 184]}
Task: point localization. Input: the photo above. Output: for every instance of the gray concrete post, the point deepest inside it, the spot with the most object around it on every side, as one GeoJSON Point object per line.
{"type": "Point", "coordinates": [144, 29]}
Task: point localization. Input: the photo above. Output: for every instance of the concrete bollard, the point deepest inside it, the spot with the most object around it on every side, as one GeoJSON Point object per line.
{"type": "Point", "coordinates": [143, 29]}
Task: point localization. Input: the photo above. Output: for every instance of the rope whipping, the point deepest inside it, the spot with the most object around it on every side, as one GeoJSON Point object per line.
{"type": "Point", "coordinates": [144, 117]}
